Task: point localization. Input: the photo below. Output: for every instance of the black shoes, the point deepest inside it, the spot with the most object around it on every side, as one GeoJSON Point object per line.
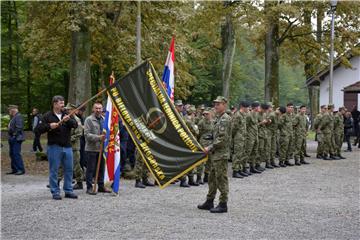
{"type": "Point", "coordinates": [19, 173]}
{"type": "Point", "coordinates": [221, 208]}
{"type": "Point", "coordinates": [297, 163]}
{"type": "Point", "coordinates": [71, 195]}
{"type": "Point", "coordinates": [139, 184]}
{"type": "Point", "coordinates": [325, 157]}
{"type": "Point", "coordinates": [304, 162]}
{"type": "Point", "coordinates": [269, 166]}
{"type": "Point", "coordinates": [274, 165]}
{"type": "Point", "coordinates": [56, 197]}
{"type": "Point", "coordinates": [199, 180]}
{"type": "Point", "coordinates": [12, 172]}
{"type": "Point", "coordinates": [282, 164]}
{"type": "Point", "coordinates": [192, 182]}
{"type": "Point", "coordinates": [341, 157]}
{"type": "Point", "coordinates": [183, 183]}
{"type": "Point", "coordinates": [243, 173]}
{"type": "Point", "coordinates": [236, 174]}
{"type": "Point", "coordinates": [260, 168]}
{"type": "Point", "coordinates": [206, 178]}
{"type": "Point", "coordinates": [287, 163]}
{"type": "Point", "coordinates": [254, 170]}
{"type": "Point", "coordinates": [207, 205]}
{"type": "Point", "coordinates": [334, 157]}
{"type": "Point", "coordinates": [147, 183]}
{"type": "Point", "coordinates": [318, 156]}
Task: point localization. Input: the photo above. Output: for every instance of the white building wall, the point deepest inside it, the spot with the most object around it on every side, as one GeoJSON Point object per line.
{"type": "Point", "coordinates": [343, 77]}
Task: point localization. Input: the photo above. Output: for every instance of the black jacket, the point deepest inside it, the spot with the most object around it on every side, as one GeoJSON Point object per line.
{"type": "Point", "coordinates": [348, 125]}
{"type": "Point", "coordinates": [16, 128]}
{"type": "Point", "coordinates": [59, 136]}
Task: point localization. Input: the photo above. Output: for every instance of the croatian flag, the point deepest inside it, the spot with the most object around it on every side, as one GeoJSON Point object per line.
{"type": "Point", "coordinates": [111, 151]}
{"type": "Point", "coordinates": [168, 75]}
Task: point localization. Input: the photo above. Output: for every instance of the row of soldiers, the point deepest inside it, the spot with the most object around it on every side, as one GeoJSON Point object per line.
{"type": "Point", "coordinates": [329, 128]}
{"type": "Point", "coordinates": [258, 132]}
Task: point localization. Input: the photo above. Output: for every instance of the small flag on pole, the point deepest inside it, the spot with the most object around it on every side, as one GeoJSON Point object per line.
{"type": "Point", "coordinates": [111, 151]}
{"type": "Point", "coordinates": [168, 75]}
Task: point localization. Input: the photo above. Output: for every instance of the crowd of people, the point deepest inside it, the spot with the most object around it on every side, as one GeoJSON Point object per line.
{"type": "Point", "coordinates": [251, 137]}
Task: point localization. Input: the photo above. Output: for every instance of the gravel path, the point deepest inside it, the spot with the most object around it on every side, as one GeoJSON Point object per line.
{"type": "Point", "coordinates": [316, 201]}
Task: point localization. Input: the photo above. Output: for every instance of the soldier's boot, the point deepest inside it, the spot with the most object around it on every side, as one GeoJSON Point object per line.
{"type": "Point", "coordinates": [192, 182]}
{"type": "Point", "coordinates": [282, 164]}
{"type": "Point", "coordinates": [78, 186]}
{"type": "Point", "coordinates": [302, 161]}
{"type": "Point", "coordinates": [243, 173]}
{"type": "Point", "coordinates": [259, 167]}
{"type": "Point", "coordinates": [206, 178]}
{"type": "Point", "coordinates": [236, 174]}
{"type": "Point", "coordinates": [254, 170]}
{"type": "Point", "coordinates": [287, 163]}
{"type": "Point", "coordinates": [247, 171]}
{"type": "Point", "coordinates": [341, 157]}
{"type": "Point", "coordinates": [221, 208]}
{"type": "Point", "coordinates": [274, 164]}
{"type": "Point", "coordinates": [297, 162]}
{"type": "Point", "coordinates": [207, 205]}
{"type": "Point", "coordinates": [319, 156]}
{"type": "Point", "coordinates": [334, 157]}
{"type": "Point", "coordinates": [325, 157]}
{"type": "Point", "coordinates": [183, 183]}
{"type": "Point", "coordinates": [268, 165]}
{"type": "Point", "coordinates": [147, 183]}
{"type": "Point", "coordinates": [139, 184]}
{"type": "Point", "coordinates": [199, 179]}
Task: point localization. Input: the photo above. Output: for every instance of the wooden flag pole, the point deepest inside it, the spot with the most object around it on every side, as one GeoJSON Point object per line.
{"type": "Point", "coordinates": [98, 165]}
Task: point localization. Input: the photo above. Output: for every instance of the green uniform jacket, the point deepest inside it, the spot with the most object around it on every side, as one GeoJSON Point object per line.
{"type": "Point", "coordinates": [262, 128]}
{"type": "Point", "coordinates": [285, 125]}
{"type": "Point", "coordinates": [252, 125]}
{"type": "Point", "coordinates": [205, 131]}
{"type": "Point", "coordinates": [274, 125]}
{"type": "Point", "coordinates": [220, 147]}
{"type": "Point", "coordinates": [238, 126]}
{"type": "Point", "coordinates": [338, 123]}
{"type": "Point", "coordinates": [327, 123]}
{"type": "Point", "coordinates": [300, 125]}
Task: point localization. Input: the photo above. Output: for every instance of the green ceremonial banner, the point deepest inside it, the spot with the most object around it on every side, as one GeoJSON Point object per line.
{"type": "Point", "coordinates": [157, 129]}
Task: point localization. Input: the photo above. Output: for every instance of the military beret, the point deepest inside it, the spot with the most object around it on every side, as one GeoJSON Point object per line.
{"type": "Point", "coordinates": [244, 104]}
{"type": "Point", "coordinates": [282, 109]}
{"type": "Point", "coordinates": [265, 106]}
{"type": "Point", "coordinates": [255, 104]}
{"type": "Point", "coordinates": [220, 99]}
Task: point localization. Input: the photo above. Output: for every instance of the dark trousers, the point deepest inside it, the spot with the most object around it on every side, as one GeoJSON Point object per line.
{"type": "Point", "coordinates": [36, 143]}
{"type": "Point", "coordinates": [17, 163]}
{"type": "Point", "coordinates": [82, 152]}
{"type": "Point", "coordinates": [347, 139]}
{"type": "Point", "coordinates": [91, 165]}
{"type": "Point", "coordinates": [123, 153]}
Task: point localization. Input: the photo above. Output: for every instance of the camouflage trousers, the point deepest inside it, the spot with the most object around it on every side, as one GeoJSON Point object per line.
{"type": "Point", "coordinates": [140, 169]}
{"type": "Point", "coordinates": [339, 139]}
{"type": "Point", "coordinates": [328, 143]}
{"type": "Point", "coordinates": [300, 146]}
{"type": "Point", "coordinates": [273, 146]}
{"type": "Point", "coordinates": [239, 157]}
{"type": "Point", "coordinates": [284, 151]}
{"type": "Point", "coordinates": [251, 147]}
{"type": "Point", "coordinates": [218, 180]}
{"type": "Point", "coordinates": [78, 172]}
{"type": "Point", "coordinates": [264, 149]}
{"type": "Point", "coordinates": [320, 146]}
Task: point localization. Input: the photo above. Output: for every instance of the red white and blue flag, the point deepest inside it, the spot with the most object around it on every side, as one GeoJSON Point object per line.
{"type": "Point", "coordinates": [111, 151]}
{"type": "Point", "coordinates": [168, 74]}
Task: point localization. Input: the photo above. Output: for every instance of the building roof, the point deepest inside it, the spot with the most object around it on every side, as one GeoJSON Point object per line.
{"type": "Point", "coordinates": [353, 88]}
{"type": "Point", "coordinates": [320, 76]}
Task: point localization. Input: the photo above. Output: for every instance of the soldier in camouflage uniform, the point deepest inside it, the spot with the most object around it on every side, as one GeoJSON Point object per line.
{"type": "Point", "coordinates": [190, 122]}
{"type": "Point", "coordinates": [179, 108]}
{"type": "Point", "coordinates": [327, 130]}
{"type": "Point", "coordinates": [319, 136]}
{"type": "Point", "coordinates": [252, 138]}
{"type": "Point", "coordinates": [339, 131]}
{"type": "Point", "coordinates": [264, 141]}
{"type": "Point", "coordinates": [219, 150]}
{"type": "Point", "coordinates": [238, 130]}
{"type": "Point", "coordinates": [300, 136]}
{"type": "Point", "coordinates": [273, 131]}
{"type": "Point", "coordinates": [206, 126]}
{"type": "Point", "coordinates": [141, 172]}
{"type": "Point", "coordinates": [286, 131]}
{"type": "Point", "coordinates": [199, 113]}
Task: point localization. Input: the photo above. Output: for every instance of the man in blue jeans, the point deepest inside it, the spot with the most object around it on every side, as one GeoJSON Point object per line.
{"type": "Point", "coordinates": [16, 137]}
{"type": "Point", "coordinates": [59, 146]}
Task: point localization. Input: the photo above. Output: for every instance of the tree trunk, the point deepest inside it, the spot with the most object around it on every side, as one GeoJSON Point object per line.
{"type": "Point", "coordinates": [10, 39]}
{"type": "Point", "coordinates": [228, 43]}
{"type": "Point", "coordinates": [28, 94]}
{"type": "Point", "coordinates": [17, 46]}
{"type": "Point", "coordinates": [80, 77]}
{"type": "Point", "coordinates": [272, 56]}
{"type": "Point", "coordinates": [138, 34]}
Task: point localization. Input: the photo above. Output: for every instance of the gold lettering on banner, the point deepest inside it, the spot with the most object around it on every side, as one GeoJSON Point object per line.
{"type": "Point", "coordinates": [170, 114]}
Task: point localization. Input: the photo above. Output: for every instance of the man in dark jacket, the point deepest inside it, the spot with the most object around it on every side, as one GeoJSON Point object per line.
{"type": "Point", "coordinates": [16, 137]}
{"type": "Point", "coordinates": [58, 124]}
{"type": "Point", "coordinates": [35, 122]}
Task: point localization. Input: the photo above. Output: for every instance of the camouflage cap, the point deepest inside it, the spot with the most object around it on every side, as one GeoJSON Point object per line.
{"type": "Point", "coordinates": [178, 103]}
{"type": "Point", "coordinates": [220, 99]}
{"type": "Point", "coordinates": [191, 109]}
{"type": "Point", "coordinates": [13, 107]}
{"type": "Point", "coordinates": [207, 110]}
{"type": "Point", "coordinates": [70, 106]}
{"type": "Point", "coordinates": [202, 107]}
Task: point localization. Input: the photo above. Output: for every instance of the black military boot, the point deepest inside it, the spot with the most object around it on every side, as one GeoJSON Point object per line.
{"type": "Point", "coordinates": [325, 157]}
{"type": "Point", "coordinates": [207, 205]}
{"type": "Point", "coordinates": [259, 167]}
{"type": "Point", "coordinates": [274, 164]}
{"type": "Point", "coordinates": [247, 171]}
{"type": "Point", "coordinates": [78, 186]}
{"type": "Point", "coordinates": [334, 157]}
{"type": "Point", "coordinates": [297, 162]}
{"type": "Point", "coordinates": [183, 183]}
{"type": "Point", "coordinates": [282, 164]}
{"type": "Point", "coordinates": [341, 157]}
{"type": "Point", "coordinates": [236, 174]}
{"type": "Point", "coordinates": [254, 170]}
{"type": "Point", "coordinates": [269, 166]}
{"type": "Point", "coordinates": [206, 178]}
{"type": "Point", "coordinates": [243, 173]}
{"type": "Point", "coordinates": [199, 180]}
{"type": "Point", "coordinates": [147, 183]}
{"type": "Point", "coordinates": [139, 184]}
{"type": "Point", "coordinates": [319, 156]}
{"type": "Point", "coordinates": [192, 182]}
{"type": "Point", "coordinates": [287, 163]}
{"type": "Point", "coordinates": [221, 208]}
{"type": "Point", "coordinates": [302, 161]}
